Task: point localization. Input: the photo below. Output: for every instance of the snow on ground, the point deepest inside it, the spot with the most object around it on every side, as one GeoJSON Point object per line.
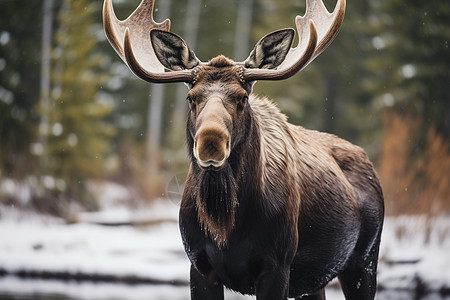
{"type": "Point", "coordinates": [415, 255]}
{"type": "Point", "coordinates": [33, 243]}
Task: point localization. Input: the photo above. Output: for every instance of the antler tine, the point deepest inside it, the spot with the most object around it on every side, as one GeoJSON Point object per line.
{"type": "Point", "coordinates": [138, 52]}
{"type": "Point", "coordinates": [316, 30]}
{"type": "Point", "coordinates": [327, 24]}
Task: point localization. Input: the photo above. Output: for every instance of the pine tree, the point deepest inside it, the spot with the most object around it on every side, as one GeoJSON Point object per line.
{"type": "Point", "coordinates": [19, 89]}
{"type": "Point", "coordinates": [79, 136]}
{"type": "Point", "coordinates": [414, 61]}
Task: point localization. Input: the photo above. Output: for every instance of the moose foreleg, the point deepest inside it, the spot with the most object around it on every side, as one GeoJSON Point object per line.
{"type": "Point", "coordinates": [202, 289]}
{"type": "Point", "coordinates": [273, 285]}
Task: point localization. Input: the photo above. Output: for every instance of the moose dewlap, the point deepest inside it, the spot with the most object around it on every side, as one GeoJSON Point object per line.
{"type": "Point", "coordinates": [269, 208]}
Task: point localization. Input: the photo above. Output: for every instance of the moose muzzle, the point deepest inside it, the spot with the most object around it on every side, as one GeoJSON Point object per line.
{"type": "Point", "coordinates": [212, 139]}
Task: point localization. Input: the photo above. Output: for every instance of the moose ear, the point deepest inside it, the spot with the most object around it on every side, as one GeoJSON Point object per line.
{"type": "Point", "coordinates": [172, 51]}
{"type": "Point", "coordinates": [271, 50]}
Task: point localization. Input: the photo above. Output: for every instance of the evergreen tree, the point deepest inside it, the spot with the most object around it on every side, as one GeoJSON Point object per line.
{"type": "Point", "coordinates": [79, 136]}
{"type": "Point", "coordinates": [414, 60]}
{"type": "Point", "coordinates": [19, 85]}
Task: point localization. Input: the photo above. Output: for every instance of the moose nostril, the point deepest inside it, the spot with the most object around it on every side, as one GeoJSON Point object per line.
{"type": "Point", "coordinates": [211, 146]}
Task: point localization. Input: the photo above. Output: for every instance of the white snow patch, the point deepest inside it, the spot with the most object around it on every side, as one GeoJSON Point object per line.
{"type": "Point", "coordinates": [159, 211]}
{"type": "Point", "coordinates": [16, 190]}
{"type": "Point", "coordinates": [44, 244]}
{"type": "Point", "coordinates": [415, 249]}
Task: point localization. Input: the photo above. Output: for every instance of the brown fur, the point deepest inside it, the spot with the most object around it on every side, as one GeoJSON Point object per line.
{"type": "Point", "coordinates": [309, 202]}
{"type": "Point", "coordinates": [287, 152]}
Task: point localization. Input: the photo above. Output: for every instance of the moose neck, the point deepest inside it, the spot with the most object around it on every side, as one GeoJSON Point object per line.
{"type": "Point", "coordinates": [221, 193]}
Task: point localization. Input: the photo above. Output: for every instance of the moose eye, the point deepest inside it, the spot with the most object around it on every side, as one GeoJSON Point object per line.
{"type": "Point", "coordinates": [245, 99]}
{"type": "Point", "coordinates": [189, 99]}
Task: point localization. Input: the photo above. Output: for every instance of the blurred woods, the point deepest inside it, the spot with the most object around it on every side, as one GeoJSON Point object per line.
{"type": "Point", "coordinates": [72, 115]}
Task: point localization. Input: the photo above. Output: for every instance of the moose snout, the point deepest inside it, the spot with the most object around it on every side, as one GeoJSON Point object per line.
{"type": "Point", "coordinates": [211, 148]}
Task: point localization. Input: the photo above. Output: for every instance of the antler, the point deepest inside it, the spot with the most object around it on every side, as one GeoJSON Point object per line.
{"type": "Point", "coordinates": [135, 30]}
{"type": "Point", "coordinates": [320, 26]}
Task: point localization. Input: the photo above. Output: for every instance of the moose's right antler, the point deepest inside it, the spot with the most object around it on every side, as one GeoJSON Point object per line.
{"type": "Point", "coordinates": [131, 40]}
{"type": "Point", "coordinates": [316, 30]}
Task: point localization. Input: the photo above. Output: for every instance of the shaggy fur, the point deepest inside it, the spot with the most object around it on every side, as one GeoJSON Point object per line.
{"type": "Point", "coordinates": [291, 199]}
{"type": "Point", "coordinates": [216, 203]}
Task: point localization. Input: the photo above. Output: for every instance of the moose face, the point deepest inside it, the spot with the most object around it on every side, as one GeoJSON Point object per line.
{"type": "Point", "coordinates": [217, 103]}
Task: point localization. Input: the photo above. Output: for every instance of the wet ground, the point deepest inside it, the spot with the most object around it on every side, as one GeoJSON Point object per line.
{"type": "Point", "coordinates": [31, 289]}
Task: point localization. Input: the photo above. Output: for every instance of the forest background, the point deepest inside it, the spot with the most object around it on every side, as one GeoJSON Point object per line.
{"type": "Point", "coordinates": [73, 116]}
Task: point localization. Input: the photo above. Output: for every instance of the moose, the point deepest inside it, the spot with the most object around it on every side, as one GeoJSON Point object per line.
{"type": "Point", "coordinates": [269, 208]}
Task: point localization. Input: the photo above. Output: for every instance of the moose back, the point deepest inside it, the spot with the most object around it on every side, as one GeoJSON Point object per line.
{"type": "Point", "coordinates": [269, 208]}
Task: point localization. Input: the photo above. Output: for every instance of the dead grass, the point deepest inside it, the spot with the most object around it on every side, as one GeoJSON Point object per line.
{"type": "Point", "coordinates": [415, 175]}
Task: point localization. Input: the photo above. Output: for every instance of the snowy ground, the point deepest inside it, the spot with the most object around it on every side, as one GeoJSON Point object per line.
{"type": "Point", "coordinates": [148, 261]}
{"type": "Point", "coordinates": [415, 255]}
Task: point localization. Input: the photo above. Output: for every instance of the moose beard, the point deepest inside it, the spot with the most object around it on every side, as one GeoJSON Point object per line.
{"type": "Point", "coordinates": [217, 202]}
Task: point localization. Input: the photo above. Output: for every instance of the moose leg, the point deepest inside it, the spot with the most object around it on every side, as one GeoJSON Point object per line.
{"type": "Point", "coordinates": [319, 295]}
{"type": "Point", "coordinates": [359, 278]}
{"type": "Point", "coordinates": [202, 289]}
{"type": "Point", "coordinates": [273, 285]}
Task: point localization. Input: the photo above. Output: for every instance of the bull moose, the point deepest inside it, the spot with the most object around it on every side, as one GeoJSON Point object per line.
{"type": "Point", "coordinates": [269, 208]}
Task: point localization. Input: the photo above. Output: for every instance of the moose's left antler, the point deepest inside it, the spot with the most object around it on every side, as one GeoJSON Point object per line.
{"type": "Point", "coordinates": [320, 26]}
{"type": "Point", "coordinates": [131, 40]}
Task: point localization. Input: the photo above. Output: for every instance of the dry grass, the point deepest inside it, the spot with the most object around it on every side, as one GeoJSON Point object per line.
{"type": "Point", "coordinates": [415, 177]}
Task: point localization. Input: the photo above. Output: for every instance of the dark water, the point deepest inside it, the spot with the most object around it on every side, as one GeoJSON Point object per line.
{"type": "Point", "coordinates": [13, 288]}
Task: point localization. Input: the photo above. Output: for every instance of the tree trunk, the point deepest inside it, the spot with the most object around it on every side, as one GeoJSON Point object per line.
{"type": "Point", "coordinates": [243, 29]}
{"type": "Point", "coordinates": [47, 34]}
